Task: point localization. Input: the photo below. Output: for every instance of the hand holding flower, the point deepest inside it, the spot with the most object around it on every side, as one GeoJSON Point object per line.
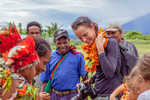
{"type": "Point", "coordinates": [100, 42]}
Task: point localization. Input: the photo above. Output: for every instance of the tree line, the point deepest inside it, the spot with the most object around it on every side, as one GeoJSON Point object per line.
{"type": "Point", "coordinates": [48, 32]}
{"type": "Point", "coordinates": [136, 35]}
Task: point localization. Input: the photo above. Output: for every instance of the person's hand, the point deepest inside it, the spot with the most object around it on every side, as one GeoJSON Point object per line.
{"type": "Point", "coordinates": [88, 81]}
{"type": "Point", "coordinates": [100, 41]}
{"type": "Point", "coordinates": [78, 85]}
{"type": "Point", "coordinates": [44, 96]}
{"type": "Point", "coordinates": [112, 97]}
{"type": "Point", "coordinates": [124, 97]}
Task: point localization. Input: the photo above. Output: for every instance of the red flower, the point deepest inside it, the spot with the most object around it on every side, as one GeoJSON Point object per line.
{"type": "Point", "coordinates": [25, 55]}
{"type": "Point", "coordinates": [8, 41]}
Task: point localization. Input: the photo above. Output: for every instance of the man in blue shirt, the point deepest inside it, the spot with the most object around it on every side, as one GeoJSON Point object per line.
{"type": "Point", "coordinates": [67, 74]}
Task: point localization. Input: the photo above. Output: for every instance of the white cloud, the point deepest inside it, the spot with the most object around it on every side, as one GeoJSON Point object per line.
{"type": "Point", "coordinates": [18, 13]}
{"type": "Point", "coordinates": [69, 27]}
{"type": "Point", "coordinates": [101, 11]}
{"type": "Point", "coordinates": [10, 1]}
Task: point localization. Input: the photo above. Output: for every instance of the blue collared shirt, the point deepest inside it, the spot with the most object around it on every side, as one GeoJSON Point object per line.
{"type": "Point", "coordinates": [67, 74]}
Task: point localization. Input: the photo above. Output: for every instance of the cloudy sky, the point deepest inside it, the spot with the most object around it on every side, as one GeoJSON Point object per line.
{"type": "Point", "coordinates": [64, 12]}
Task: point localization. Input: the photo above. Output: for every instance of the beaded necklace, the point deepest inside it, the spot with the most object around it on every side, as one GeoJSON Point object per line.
{"type": "Point", "coordinates": [23, 92]}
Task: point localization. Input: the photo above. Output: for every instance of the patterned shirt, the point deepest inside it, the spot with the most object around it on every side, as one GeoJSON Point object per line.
{"type": "Point", "coordinates": [144, 96]}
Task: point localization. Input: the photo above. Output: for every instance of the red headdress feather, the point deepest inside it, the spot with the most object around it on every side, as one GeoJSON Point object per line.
{"type": "Point", "coordinates": [22, 55]}
{"type": "Point", "coordinates": [8, 41]}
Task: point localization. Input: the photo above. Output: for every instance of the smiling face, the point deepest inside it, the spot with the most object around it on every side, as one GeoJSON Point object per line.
{"type": "Point", "coordinates": [62, 44]}
{"type": "Point", "coordinates": [86, 34]}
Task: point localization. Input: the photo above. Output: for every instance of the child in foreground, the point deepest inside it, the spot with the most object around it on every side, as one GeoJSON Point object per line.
{"type": "Point", "coordinates": [129, 92]}
{"type": "Point", "coordinates": [144, 77]}
{"type": "Point", "coordinates": [137, 83]}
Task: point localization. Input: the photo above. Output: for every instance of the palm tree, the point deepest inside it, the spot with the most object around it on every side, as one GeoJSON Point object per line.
{"type": "Point", "coordinates": [20, 28]}
{"type": "Point", "coordinates": [9, 24]}
{"type": "Point", "coordinates": [52, 28]}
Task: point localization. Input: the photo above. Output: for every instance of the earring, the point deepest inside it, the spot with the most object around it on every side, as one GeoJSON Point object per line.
{"type": "Point", "coordinates": [140, 79]}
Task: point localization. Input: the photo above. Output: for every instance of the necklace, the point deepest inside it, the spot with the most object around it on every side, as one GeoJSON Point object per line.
{"type": "Point", "coordinates": [92, 54]}
{"type": "Point", "coordinates": [23, 92]}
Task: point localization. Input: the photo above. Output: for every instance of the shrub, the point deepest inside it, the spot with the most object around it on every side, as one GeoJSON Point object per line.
{"type": "Point", "coordinates": [136, 35]}
{"type": "Point", "coordinates": [133, 35]}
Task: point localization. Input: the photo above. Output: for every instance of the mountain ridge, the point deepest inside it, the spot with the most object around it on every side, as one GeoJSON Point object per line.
{"type": "Point", "coordinates": [140, 24]}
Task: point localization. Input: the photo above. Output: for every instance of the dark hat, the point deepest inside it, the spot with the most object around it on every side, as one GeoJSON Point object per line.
{"type": "Point", "coordinates": [61, 33]}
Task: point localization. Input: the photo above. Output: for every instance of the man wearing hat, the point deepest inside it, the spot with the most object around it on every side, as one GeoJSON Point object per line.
{"type": "Point", "coordinates": [64, 68]}
{"type": "Point", "coordinates": [114, 29]}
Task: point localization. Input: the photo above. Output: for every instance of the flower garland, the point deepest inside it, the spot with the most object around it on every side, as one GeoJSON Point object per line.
{"type": "Point", "coordinates": [5, 79]}
{"type": "Point", "coordinates": [27, 92]}
{"type": "Point", "coordinates": [124, 96]}
{"type": "Point", "coordinates": [92, 54]}
{"type": "Point", "coordinates": [23, 92]}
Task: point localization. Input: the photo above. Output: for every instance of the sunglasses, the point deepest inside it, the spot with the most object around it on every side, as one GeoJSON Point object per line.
{"type": "Point", "coordinates": [78, 23]}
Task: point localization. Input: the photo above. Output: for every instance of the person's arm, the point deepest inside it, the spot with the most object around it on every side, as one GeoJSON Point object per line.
{"type": "Point", "coordinates": [108, 61]}
{"type": "Point", "coordinates": [85, 77]}
{"type": "Point", "coordinates": [81, 67]}
{"type": "Point", "coordinates": [117, 91]}
{"type": "Point", "coordinates": [43, 86]}
{"type": "Point", "coordinates": [92, 79]}
{"type": "Point", "coordinates": [44, 77]}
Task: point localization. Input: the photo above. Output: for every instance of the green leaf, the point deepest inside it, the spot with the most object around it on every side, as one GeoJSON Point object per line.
{"type": "Point", "coordinates": [89, 64]}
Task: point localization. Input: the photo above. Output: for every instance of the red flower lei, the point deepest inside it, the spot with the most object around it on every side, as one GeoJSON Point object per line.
{"type": "Point", "coordinates": [92, 54]}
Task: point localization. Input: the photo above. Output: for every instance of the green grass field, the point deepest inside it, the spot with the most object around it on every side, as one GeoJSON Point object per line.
{"type": "Point", "coordinates": [143, 46]}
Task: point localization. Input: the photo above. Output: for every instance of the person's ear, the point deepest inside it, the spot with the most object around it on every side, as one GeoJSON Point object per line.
{"type": "Point", "coordinates": [92, 26]}
{"type": "Point", "coordinates": [55, 42]}
{"type": "Point", "coordinates": [142, 79]}
{"type": "Point", "coordinates": [68, 40]}
{"type": "Point", "coordinates": [120, 32]}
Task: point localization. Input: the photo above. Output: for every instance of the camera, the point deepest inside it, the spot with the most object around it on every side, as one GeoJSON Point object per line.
{"type": "Point", "coordinates": [85, 90]}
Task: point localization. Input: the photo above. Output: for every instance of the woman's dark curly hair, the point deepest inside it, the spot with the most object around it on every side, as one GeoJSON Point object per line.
{"type": "Point", "coordinates": [41, 46]}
